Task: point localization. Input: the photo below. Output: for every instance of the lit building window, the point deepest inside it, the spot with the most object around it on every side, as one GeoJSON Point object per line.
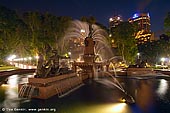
{"type": "Point", "coordinates": [143, 21]}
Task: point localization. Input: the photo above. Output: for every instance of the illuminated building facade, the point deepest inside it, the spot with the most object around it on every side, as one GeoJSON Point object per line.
{"type": "Point", "coordinates": [114, 21]}
{"type": "Point", "coordinates": [142, 20]}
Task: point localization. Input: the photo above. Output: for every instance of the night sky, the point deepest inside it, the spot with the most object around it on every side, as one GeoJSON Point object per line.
{"type": "Point", "coordinates": [102, 10]}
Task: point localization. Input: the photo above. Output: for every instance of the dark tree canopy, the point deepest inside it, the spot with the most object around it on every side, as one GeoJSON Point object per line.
{"type": "Point", "coordinates": [167, 24]}
{"type": "Point", "coordinates": [123, 37]}
{"type": "Point", "coordinates": [31, 33]}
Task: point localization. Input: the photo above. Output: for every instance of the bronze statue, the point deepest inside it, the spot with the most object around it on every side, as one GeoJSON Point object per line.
{"type": "Point", "coordinates": [52, 66]}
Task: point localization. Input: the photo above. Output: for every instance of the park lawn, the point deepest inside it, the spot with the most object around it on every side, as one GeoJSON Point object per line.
{"type": "Point", "coordinates": [4, 68]}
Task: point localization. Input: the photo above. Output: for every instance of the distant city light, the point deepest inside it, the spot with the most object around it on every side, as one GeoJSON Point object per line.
{"type": "Point", "coordinates": [111, 19]}
{"type": "Point", "coordinates": [148, 15]}
{"type": "Point", "coordinates": [135, 15]}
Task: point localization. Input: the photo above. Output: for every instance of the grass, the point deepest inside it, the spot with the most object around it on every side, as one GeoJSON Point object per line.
{"type": "Point", "coordinates": [4, 68]}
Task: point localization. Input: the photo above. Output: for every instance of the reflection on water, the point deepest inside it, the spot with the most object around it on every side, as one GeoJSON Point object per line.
{"type": "Point", "coordinates": [143, 92]}
{"type": "Point", "coordinates": [152, 96]}
{"type": "Point", "coordinates": [162, 88]}
{"type": "Point", "coordinates": [10, 90]}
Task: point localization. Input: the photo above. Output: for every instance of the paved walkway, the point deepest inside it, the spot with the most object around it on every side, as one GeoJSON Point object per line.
{"type": "Point", "coordinates": [17, 71]}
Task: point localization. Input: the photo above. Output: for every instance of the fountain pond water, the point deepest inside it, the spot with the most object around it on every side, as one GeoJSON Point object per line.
{"type": "Point", "coordinates": [95, 45]}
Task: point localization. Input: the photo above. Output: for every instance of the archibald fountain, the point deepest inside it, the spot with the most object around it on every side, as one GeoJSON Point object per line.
{"type": "Point", "coordinates": [94, 43]}
{"type": "Point", "coordinates": [89, 65]}
{"type": "Point", "coordinates": [46, 86]}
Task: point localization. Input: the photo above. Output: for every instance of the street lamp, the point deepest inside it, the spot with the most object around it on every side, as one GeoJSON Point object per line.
{"type": "Point", "coordinates": [11, 58]}
{"type": "Point", "coordinates": [69, 53]}
{"type": "Point", "coordinates": [138, 54]}
{"type": "Point", "coordinates": [30, 58]}
{"type": "Point", "coordinates": [163, 60]}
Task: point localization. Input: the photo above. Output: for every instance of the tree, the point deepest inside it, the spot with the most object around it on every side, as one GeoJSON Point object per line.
{"type": "Point", "coordinates": [8, 24]}
{"type": "Point", "coordinates": [90, 20]}
{"type": "Point", "coordinates": [41, 40]}
{"type": "Point", "coordinates": [124, 39]}
{"type": "Point", "coordinates": [153, 51]}
{"type": "Point", "coordinates": [46, 30]}
{"type": "Point", "coordinates": [61, 26]}
{"type": "Point", "coordinates": [167, 24]}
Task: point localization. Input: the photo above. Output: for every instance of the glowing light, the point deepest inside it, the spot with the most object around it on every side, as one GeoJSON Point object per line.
{"type": "Point", "coordinates": [82, 31]}
{"type": "Point", "coordinates": [24, 66]}
{"type": "Point", "coordinates": [163, 87]}
{"type": "Point", "coordinates": [78, 59]}
{"type": "Point", "coordinates": [13, 81]}
{"type": "Point", "coordinates": [10, 58]}
{"type": "Point", "coordinates": [138, 54]}
{"type": "Point", "coordinates": [69, 53]}
{"type": "Point", "coordinates": [123, 100]}
{"type": "Point", "coordinates": [111, 19]}
{"type": "Point", "coordinates": [25, 59]}
{"type": "Point", "coordinates": [118, 107]}
{"type": "Point", "coordinates": [148, 15]}
{"type": "Point", "coordinates": [162, 59]}
{"type": "Point", "coordinates": [37, 57]}
{"type": "Point", "coordinates": [29, 67]}
{"type": "Point", "coordinates": [108, 108]}
{"type": "Point", "coordinates": [66, 55]}
{"type": "Point", "coordinates": [4, 85]}
{"type": "Point", "coordinates": [30, 58]}
{"type": "Point", "coordinates": [135, 15]}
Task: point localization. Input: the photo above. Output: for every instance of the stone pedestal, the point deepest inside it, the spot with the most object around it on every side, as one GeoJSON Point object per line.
{"type": "Point", "coordinates": [88, 58]}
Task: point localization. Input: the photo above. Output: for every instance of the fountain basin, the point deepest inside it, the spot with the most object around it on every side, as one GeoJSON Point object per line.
{"type": "Point", "coordinates": [48, 87]}
{"type": "Point", "coordinates": [139, 71]}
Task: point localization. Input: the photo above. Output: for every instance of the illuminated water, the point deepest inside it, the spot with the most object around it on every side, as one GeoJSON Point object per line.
{"type": "Point", "coordinates": [152, 96]}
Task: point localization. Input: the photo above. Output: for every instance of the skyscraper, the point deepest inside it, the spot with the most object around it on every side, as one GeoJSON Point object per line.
{"type": "Point", "coordinates": [115, 20]}
{"type": "Point", "coordinates": [142, 21]}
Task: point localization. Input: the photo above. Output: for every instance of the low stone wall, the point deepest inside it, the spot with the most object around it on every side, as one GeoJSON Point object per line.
{"type": "Point", "coordinates": [17, 71]}
{"type": "Point", "coordinates": [46, 81]}
{"type": "Point", "coordinates": [57, 85]}
{"type": "Point", "coordinates": [166, 72]}
{"type": "Point", "coordinates": [139, 71]}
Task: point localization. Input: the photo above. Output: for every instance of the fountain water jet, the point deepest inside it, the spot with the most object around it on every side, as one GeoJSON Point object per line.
{"type": "Point", "coordinates": [95, 46]}
{"type": "Point", "coordinates": [127, 98]}
{"type": "Point", "coordinates": [94, 43]}
{"type": "Point", "coordinates": [74, 35]}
